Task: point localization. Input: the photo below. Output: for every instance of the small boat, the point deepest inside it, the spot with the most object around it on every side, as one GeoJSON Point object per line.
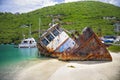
{"type": "Point", "coordinates": [27, 43]}
{"type": "Point", "coordinates": [55, 42]}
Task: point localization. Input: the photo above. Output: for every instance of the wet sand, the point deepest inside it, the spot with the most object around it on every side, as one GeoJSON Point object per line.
{"type": "Point", "coordinates": [53, 69]}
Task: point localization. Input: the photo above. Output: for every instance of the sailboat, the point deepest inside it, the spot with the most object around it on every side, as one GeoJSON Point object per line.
{"type": "Point", "coordinates": [28, 42]}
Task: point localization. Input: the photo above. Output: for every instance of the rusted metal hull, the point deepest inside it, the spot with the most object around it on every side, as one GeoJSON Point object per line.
{"type": "Point", "coordinates": [88, 47]}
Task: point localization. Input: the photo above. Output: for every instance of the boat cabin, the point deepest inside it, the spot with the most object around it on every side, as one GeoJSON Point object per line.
{"type": "Point", "coordinates": [27, 43]}
{"type": "Point", "coordinates": [56, 39]}
{"type": "Point", "coordinates": [55, 42]}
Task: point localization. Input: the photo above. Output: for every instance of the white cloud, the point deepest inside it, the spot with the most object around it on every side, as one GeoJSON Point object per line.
{"type": "Point", "coordinates": [114, 2]}
{"type": "Point", "coordinates": [72, 0]}
{"type": "Point", "coordinates": [78, 0]}
{"type": "Point", "coordinates": [34, 2]}
{"type": "Point", "coordinates": [30, 5]}
{"type": "Point", "coordinates": [24, 5]}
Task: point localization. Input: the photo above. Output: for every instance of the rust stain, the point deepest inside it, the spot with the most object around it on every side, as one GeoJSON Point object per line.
{"type": "Point", "coordinates": [88, 47]}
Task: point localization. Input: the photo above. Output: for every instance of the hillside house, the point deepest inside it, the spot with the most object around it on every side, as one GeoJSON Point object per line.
{"type": "Point", "coordinates": [117, 26]}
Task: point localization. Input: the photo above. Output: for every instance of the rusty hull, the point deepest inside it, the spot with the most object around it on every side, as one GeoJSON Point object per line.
{"type": "Point", "coordinates": [88, 47]}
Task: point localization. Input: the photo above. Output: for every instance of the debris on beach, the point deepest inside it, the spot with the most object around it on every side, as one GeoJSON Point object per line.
{"type": "Point", "coordinates": [55, 42]}
{"type": "Point", "coordinates": [71, 66]}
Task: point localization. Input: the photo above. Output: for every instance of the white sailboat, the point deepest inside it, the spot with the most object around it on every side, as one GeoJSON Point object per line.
{"type": "Point", "coordinates": [28, 42]}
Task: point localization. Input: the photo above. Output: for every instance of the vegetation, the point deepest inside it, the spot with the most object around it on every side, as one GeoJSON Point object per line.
{"type": "Point", "coordinates": [73, 16]}
{"type": "Point", "coordinates": [114, 48]}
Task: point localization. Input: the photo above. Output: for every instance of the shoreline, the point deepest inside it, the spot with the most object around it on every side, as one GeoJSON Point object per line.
{"type": "Point", "coordinates": [92, 70]}
{"type": "Point", "coordinates": [53, 69]}
{"type": "Point", "coordinates": [40, 71]}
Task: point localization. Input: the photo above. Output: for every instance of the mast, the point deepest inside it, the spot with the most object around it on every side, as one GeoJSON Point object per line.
{"type": "Point", "coordinates": [30, 31]}
{"type": "Point", "coordinates": [39, 27]}
{"type": "Point", "coordinates": [23, 35]}
{"type": "Point", "coordinates": [23, 26]}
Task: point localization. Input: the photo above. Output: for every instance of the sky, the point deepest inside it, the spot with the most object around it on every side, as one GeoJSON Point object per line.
{"type": "Point", "coordinates": [23, 6]}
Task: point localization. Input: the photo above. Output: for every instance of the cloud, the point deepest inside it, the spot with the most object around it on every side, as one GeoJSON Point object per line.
{"type": "Point", "coordinates": [24, 6]}
{"type": "Point", "coordinates": [66, 1]}
{"type": "Point", "coordinates": [114, 2]}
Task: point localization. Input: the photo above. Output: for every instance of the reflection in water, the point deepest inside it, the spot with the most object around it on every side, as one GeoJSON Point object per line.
{"type": "Point", "coordinates": [9, 54]}
{"type": "Point", "coordinates": [28, 52]}
{"type": "Point", "coordinates": [12, 60]}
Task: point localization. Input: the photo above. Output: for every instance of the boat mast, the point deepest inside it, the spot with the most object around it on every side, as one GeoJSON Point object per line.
{"type": "Point", "coordinates": [39, 27]}
{"type": "Point", "coordinates": [30, 31]}
{"type": "Point", "coordinates": [23, 35]}
{"type": "Point", "coordinates": [23, 26]}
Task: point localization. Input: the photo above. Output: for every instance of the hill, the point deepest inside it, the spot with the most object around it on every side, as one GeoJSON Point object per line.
{"type": "Point", "coordinates": [72, 16]}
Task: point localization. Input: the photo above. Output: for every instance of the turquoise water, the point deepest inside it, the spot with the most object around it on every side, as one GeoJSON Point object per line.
{"type": "Point", "coordinates": [9, 54]}
{"type": "Point", "coordinates": [14, 60]}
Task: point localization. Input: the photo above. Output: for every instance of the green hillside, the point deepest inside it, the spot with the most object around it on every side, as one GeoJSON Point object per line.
{"type": "Point", "coordinates": [72, 16]}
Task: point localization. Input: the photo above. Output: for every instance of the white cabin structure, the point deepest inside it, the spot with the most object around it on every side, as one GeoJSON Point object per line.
{"type": "Point", "coordinates": [27, 43]}
{"type": "Point", "coordinates": [56, 39]}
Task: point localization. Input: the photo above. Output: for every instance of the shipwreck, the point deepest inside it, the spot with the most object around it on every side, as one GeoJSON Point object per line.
{"type": "Point", "coordinates": [55, 42]}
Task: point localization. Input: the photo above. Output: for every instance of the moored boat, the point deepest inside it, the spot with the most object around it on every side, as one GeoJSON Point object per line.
{"type": "Point", "coordinates": [27, 43]}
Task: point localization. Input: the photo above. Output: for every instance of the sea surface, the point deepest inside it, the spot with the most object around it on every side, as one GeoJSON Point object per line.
{"type": "Point", "coordinates": [9, 54]}
{"type": "Point", "coordinates": [13, 60]}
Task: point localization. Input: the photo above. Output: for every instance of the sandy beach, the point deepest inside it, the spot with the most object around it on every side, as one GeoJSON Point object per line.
{"type": "Point", "coordinates": [53, 69]}
{"type": "Point", "coordinates": [90, 70]}
{"type": "Point", "coordinates": [40, 71]}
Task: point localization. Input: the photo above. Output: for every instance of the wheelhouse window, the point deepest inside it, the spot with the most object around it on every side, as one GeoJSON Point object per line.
{"type": "Point", "coordinates": [55, 32]}
{"type": "Point", "coordinates": [59, 29]}
{"type": "Point", "coordinates": [25, 42]}
{"type": "Point", "coordinates": [45, 42]}
{"type": "Point", "coordinates": [50, 37]}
